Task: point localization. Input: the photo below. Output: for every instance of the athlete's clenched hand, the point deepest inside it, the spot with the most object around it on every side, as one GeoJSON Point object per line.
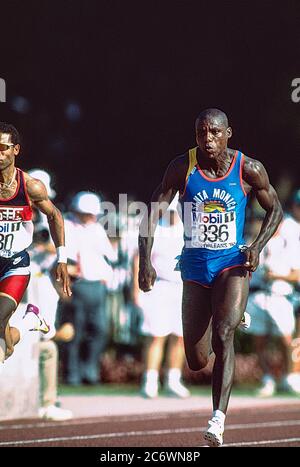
{"type": "Point", "coordinates": [251, 258]}
{"type": "Point", "coordinates": [147, 276]}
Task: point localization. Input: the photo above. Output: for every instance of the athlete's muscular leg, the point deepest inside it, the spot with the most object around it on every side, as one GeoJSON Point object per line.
{"type": "Point", "coordinates": [229, 300]}
{"type": "Point", "coordinates": [7, 307]}
{"type": "Point", "coordinates": [196, 321]}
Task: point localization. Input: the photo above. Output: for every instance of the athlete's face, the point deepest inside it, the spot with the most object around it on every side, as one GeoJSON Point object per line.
{"type": "Point", "coordinates": [8, 150]}
{"type": "Point", "coordinates": [212, 136]}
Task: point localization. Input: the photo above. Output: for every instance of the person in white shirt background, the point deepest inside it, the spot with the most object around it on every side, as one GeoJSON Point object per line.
{"type": "Point", "coordinates": [290, 231]}
{"type": "Point", "coordinates": [272, 311]}
{"type": "Point", "coordinates": [161, 311]}
{"type": "Point", "coordinates": [90, 252]}
{"type": "Point", "coordinates": [42, 293]}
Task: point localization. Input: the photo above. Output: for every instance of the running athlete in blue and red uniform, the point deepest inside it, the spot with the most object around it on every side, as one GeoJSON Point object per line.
{"type": "Point", "coordinates": [18, 194]}
{"type": "Point", "coordinates": [214, 183]}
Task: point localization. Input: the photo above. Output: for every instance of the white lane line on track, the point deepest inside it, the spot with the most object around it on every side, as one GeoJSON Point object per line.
{"type": "Point", "coordinates": [259, 443]}
{"type": "Point", "coordinates": [99, 436]}
{"type": "Point", "coordinates": [150, 433]}
{"type": "Point", "coordinates": [98, 420]}
{"type": "Point", "coordinates": [122, 418]}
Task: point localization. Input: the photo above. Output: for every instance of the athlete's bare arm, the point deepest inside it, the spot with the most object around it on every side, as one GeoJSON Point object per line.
{"type": "Point", "coordinates": [173, 181]}
{"type": "Point", "coordinates": [255, 178]}
{"type": "Point", "coordinates": [38, 196]}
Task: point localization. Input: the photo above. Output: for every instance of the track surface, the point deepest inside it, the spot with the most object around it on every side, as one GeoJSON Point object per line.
{"type": "Point", "coordinates": [267, 427]}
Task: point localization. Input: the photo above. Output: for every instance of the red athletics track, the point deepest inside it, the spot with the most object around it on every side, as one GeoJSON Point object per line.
{"type": "Point", "coordinates": [258, 427]}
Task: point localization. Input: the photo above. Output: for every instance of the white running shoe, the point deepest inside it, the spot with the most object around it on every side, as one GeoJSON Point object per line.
{"type": "Point", "coordinates": [214, 433]}
{"type": "Point", "coordinates": [293, 383]}
{"type": "Point", "coordinates": [54, 413]}
{"type": "Point", "coordinates": [149, 389]}
{"type": "Point", "coordinates": [246, 321]}
{"type": "Point", "coordinates": [176, 388]}
{"type": "Point", "coordinates": [268, 387]}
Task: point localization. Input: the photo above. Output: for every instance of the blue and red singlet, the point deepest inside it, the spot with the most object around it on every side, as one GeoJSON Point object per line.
{"type": "Point", "coordinates": [213, 213]}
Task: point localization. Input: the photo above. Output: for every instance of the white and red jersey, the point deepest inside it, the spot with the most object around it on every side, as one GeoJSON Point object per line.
{"type": "Point", "coordinates": [16, 227]}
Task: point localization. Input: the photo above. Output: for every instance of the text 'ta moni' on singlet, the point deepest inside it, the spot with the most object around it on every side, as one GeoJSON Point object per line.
{"type": "Point", "coordinates": [16, 227]}
{"type": "Point", "coordinates": [213, 210]}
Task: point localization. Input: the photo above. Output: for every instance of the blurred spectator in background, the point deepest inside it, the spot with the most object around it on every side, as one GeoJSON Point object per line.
{"type": "Point", "coordinates": [290, 231]}
{"type": "Point", "coordinates": [124, 315]}
{"type": "Point", "coordinates": [161, 310]}
{"type": "Point", "coordinates": [42, 293]}
{"type": "Point", "coordinates": [89, 256]}
{"type": "Point", "coordinates": [271, 309]}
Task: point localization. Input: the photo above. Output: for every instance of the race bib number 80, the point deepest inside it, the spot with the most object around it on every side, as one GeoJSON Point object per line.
{"type": "Point", "coordinates": [214, 231]}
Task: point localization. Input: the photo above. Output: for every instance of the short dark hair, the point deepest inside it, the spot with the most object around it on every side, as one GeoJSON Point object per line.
{"type": "Point", "coordinates": [217, 113]}
{"type": "Point", "coordinates": [10, 129]}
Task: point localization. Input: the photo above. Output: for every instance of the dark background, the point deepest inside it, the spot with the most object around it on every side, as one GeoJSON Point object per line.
{"type": "Point", "coordinates": [136, 74]}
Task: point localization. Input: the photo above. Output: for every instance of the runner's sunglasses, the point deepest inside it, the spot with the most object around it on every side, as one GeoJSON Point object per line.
{"type": "Point", "coordinates": [6, 146]}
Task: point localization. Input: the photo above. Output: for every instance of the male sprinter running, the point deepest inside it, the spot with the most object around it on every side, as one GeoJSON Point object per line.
{"type": "Point", "coordinates": [18, 193]}
{"type": "Point", "coordinates": [214, 183]}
